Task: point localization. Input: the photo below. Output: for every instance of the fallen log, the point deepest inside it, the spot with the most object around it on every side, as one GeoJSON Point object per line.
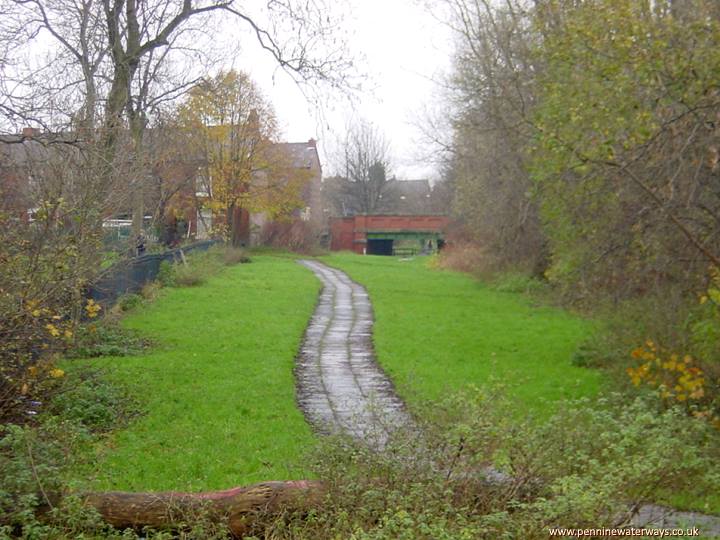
{"type": "Point", "coordinates": [238, 508]}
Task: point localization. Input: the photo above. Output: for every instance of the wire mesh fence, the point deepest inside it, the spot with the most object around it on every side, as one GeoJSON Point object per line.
{"type": "Point", "coordinates": [129, 275]}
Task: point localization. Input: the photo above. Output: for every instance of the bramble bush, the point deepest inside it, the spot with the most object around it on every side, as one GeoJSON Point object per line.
{"type": "Point", "coordinates": [129, 301]}
{"type": "Point", "coordinates": [92, 402]}
{"type": "Point", "coordinates": [36, 460]}
{"type": "Point", "coordinates": [472, 470]}
{"type": "Point", "coordinates": [44, 266]}
{"type": "Point", "coordinates": [469, 468]}
{"type": "Point", "coordinates": [106, 338]}
{"type": "Point", "coordinates": [676, 380]}
{"type": "Point", "coordinates": [690, 379]}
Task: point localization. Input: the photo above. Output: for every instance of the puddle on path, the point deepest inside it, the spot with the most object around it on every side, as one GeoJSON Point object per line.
{"type": "Point", "coordinates": [340, 385]}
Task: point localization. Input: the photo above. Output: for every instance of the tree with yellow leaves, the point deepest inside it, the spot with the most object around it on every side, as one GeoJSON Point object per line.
{"type": "Point", "coordinates": [243, 169]}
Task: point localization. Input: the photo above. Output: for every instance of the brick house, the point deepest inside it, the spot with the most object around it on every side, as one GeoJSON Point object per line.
{"type": "Point", "coordinates": [174, 186]}
{"type": "Point", "coordinates": [303, 156]}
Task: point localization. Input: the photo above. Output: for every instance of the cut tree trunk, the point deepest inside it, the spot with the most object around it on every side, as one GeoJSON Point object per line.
{"type": "Point", "coordinates": [239, 508]}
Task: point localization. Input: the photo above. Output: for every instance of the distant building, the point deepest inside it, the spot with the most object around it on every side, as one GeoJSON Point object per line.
{"type": "Point", "coordinates": [409, 217]}
{"type": "Point", "coordinates": [174, 184]}
{"type": "Point", "coordinates": [303, 156]}
{"type": "Point", "coordinates": [388, 234]}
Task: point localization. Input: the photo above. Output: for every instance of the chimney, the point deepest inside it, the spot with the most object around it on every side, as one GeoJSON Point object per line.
{"type": "Point", "coordinates": [30, 132]}
{"type": "Point", "coordinates": [312, 143]}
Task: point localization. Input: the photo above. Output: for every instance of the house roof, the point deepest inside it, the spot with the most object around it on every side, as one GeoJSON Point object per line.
{"type": "Point", "coordinates": [304, 155]}
{"type": "Point", "coordinates": [18, 150]}
{"type": "Point", "coordinates": [412, 188]}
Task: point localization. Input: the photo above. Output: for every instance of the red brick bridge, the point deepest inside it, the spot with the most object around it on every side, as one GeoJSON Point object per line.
{"type": "Point", "coordinates": [388, 234]}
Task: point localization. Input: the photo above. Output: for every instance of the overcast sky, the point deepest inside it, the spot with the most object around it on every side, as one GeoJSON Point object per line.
{"type": "Point", "coordinates": [402, 48]}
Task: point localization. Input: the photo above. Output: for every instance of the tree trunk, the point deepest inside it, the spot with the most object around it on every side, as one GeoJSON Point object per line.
{"type": "Point", "coordinates": [239, 508]}
{"type": "Point", "coordinates": [137, 128]}
{"type": "Point", "coordinates": [240, 232]}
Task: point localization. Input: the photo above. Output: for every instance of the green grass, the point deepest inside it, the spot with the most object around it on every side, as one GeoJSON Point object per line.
{"type": "Point", "coordinates": [218, 388]}
{"type": "Point", "coordinates": [437, 332]}
{"type": "Point", "coordinates": [440, 331]}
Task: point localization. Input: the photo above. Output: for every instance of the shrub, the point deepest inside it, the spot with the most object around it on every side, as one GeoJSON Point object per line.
{"type": "Point", "coordinates": [44, 265]}
{"type": "Point", "coordinates": [677, 380]}
{"type": "Point", "coordinates": [36, 459]}
{"type": "Point", "coordinates": [587, 466]}
{"type": "Point", "coordinates": [129, 301]}
{"type": "Point", "coordinates": [151, 290]}
{"type": "Point", "coordinates": [32, 460]}
{"type": "Point", "coordinates": [592, 353]}
{"type": "Point", "coordinates": [190, 276]}
{"type": "Point", "coordinates": [34, 499]}
{"type": "Point", "coordinates": [465, 257]}
{"type": "Point", "coordinates": [234, 256]}
{"type": "Point", "coordinates": [295, 235]}
{"type": "Point", "coordinates": [106, 338]}
{"type": "Point", "coordinates": [197, 267]}
{"type": "Point", "coordinates": [36, 502]}
{"type": "Point", "coordinates": [91, 401]}
{"type": "Point", "coordinates": [704, 323]}
{"type": "Point", "coordinates": [516, 282]}
{"type": "Point", "coordinates": [672, 325]}
{"type": "Point", "coordinates": [166, 274]}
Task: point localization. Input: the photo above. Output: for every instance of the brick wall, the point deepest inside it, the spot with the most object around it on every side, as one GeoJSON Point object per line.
{"type": "Point", "coordinates": [351, 233]}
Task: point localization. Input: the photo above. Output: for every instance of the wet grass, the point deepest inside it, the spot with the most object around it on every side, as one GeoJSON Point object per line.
{"type": "Point", "coordinates": [218, 389]}
{"type": "Point", "coordinates": [440, 331]}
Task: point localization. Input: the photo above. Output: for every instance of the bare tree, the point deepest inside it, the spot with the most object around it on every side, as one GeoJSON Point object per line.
{"type": "Point", "coordinates": [50, 247]}
{"type": "Point", "coordinates": [117, 53]}
{"type": "Point", "coordinates": [492, 95]}
{"type": "Point", "coordinates": [364, 170]}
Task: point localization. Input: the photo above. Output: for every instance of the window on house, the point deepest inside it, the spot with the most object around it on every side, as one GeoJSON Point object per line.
{"type": "Point", "coordinates": [203, 184]}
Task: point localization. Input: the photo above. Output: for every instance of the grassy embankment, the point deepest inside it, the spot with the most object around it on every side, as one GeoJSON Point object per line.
{"type": "Point", "coordinates": [219, 390]}
{"type": "Point", "coordinates": [218, 386]}
{"type": "Point", "coordinates": [439, 331]}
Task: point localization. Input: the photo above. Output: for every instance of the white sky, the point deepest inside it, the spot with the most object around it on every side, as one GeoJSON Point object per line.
{"type": "Point", "coordinates": [402, 48]}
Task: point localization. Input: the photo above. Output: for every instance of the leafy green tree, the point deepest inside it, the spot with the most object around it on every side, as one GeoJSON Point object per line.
{"type": "Point", "coordinates": [626, 148]}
